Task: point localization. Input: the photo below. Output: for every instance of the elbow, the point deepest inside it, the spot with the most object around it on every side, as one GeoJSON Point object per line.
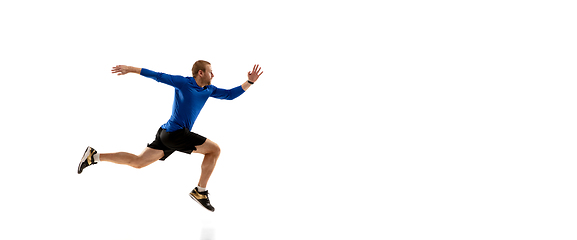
{"type": "Point", "coordinates": [233, 96]}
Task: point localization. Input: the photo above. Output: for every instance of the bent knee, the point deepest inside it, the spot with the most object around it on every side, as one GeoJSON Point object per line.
{"type": "Point", "coordinates": [138, 166]}
{"type": "Point", "coordinates": [140, 162]}
{"type": "Point", "coordinates": [213, 148]}
{"type": "Point", "coordinates": [208, 147]}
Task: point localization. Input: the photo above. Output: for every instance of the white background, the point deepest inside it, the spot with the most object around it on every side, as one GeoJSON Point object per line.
{"type": "Point", "coordinates": [372, 120]}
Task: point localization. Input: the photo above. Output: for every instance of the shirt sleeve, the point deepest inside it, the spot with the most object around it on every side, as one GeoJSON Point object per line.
{"type": "Point", "coordinates": [172, 80]}
{"type": "Point", "coordinates": [228, 94]}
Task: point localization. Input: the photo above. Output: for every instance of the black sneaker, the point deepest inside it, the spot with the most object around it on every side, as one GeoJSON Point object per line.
{"type": "Point", "coordinates": [87, 159]}
{"type": "Point", "coordinates": [202, 199]}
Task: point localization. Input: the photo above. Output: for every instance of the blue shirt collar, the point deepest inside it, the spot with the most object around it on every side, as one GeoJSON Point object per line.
{"type": "Point", "coordinates": [195, 85]}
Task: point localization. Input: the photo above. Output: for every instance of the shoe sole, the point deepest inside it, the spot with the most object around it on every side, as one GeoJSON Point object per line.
{"type": "Point", "coordinates": [84, 157]}
{"type": "Point", "coordinates": [196, 200]}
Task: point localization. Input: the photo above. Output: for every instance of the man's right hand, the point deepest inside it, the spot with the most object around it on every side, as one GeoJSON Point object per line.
{"type": "Point", "coordinates": [123, 69]}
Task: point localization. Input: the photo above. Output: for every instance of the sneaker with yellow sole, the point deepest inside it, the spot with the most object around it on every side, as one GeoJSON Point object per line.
{"type": "Point", "coordinates": [201, 198]}
{"type": "Point", "coordinates": [87, 159]}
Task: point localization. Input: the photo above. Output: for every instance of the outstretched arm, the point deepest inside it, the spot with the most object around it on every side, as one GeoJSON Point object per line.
{"type": "Point", "coordinates": [237, 91]}
{"type": "Point", "coordinates": [252, 76]}
{"type": "Point", "coordinates": [123, 69]}
{"type": "Point", "coordinates": [175, 81]}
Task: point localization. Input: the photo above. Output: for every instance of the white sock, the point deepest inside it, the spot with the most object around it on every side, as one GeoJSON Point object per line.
{"type": "Point", "coordinates": [96, 157]}
{"type": "Point", "coordinates": [201, 189]}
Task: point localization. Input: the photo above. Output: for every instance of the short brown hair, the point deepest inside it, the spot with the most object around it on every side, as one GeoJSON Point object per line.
{"type": "Point", "coordinates": [199, 65]}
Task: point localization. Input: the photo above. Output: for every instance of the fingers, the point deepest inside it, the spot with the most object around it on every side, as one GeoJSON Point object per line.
{"type": "Point", "coordinates": [116, 69]}
{"type": "Point", "coordinates": [256, 69]}
{"type": "Point", "coordinates": [119, 69]}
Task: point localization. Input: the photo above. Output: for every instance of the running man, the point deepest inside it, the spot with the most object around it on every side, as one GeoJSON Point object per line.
{"type": "Point", "coordinates": [189, 97]}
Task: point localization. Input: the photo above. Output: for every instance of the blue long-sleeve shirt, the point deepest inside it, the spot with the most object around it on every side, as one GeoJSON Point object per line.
{"type": "Point", "coordinates": [189, 98]}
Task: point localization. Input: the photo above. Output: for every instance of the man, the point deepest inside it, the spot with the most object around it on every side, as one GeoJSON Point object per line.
{"type": "Point", "coordinates": [190, 95]}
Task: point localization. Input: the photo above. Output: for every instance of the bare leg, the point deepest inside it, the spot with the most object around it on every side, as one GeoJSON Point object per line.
{"type": "Point", "coordinates": [147, 157]}
{"type": "Point", "coordinates": [211, 152]}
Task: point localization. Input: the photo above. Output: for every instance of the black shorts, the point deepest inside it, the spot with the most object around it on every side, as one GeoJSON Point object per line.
{"type": "Point", "coordinates": [182, 140]}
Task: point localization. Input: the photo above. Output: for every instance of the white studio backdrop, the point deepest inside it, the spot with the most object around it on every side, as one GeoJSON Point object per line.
{"type": "Point", "coordinates": [372, 120]}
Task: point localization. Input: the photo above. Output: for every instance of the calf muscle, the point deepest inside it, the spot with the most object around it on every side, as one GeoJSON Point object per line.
{"type": "Point", "coordinates": [147, 157]}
